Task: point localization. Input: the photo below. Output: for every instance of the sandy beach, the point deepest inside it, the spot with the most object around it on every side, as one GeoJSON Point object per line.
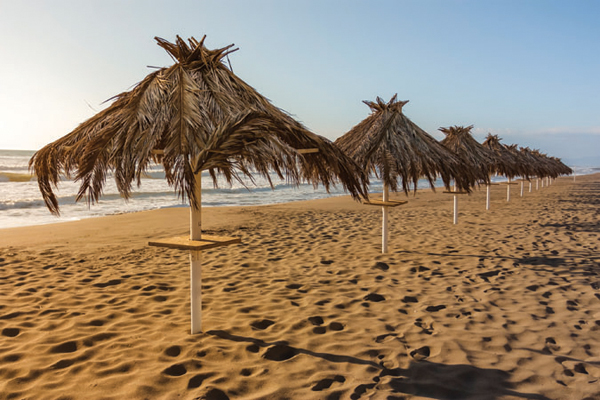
{"type": "Point", "coordinates": [504, 305]}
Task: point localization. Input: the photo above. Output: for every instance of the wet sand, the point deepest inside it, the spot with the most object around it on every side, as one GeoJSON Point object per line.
{"type": "Point", "coordinates": [504, 305]}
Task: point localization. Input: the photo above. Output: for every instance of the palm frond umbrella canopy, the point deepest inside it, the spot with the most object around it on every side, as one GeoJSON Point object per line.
{"type": "Point", "coordinates": [394, 148]}
{"type": "Point", "coordinates": [473, 154]}
{"type": "Point", "coordinates": [176, 112]}
{"type": "Point", "coordinates": [194, 116]}
{"type": "Point", "coordinates": [507, 163]}
{"type": "Point", "coordinates": [528, 165]}
{"type": "Point", "coordinates": [560, 167]}
{"type": "Point", "coordinates": [532, 166]}
{"type": "Point", "coordinates": [476, 157]}
{"type": "Point", "coordinates": [551, 167]}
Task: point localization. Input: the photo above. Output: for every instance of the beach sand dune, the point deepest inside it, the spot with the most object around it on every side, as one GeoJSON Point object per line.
{"type": "Point", "coordinates": [504, 305]}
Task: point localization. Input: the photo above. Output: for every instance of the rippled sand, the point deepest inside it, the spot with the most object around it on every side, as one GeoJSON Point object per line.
{"type": "Point", "coordinates": [504, 305]}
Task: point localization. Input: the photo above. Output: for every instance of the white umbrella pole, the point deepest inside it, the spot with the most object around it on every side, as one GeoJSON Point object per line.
{"type": "Point", "coordinates": [542, 182]}
{"type": "Point", "coordinates": [522, 185]}
{"type": "Point", "coordinates": [384, 221]}
{"type": "Point", "coordinates": [529, 186]}
{"type": "Point", "coordinates": [487, 199]}
{"type": "Point", "coordinates": [196, 261]}
{"type": "Point", "coordinates": [508, 190]}
{"type": "Point", "coordinates": [455, 206]}
{"type": "Point", "coordinates": [537, 184]}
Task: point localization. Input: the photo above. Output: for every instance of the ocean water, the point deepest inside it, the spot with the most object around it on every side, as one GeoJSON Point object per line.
{"type": "Point", "coordinates": [21, 203]}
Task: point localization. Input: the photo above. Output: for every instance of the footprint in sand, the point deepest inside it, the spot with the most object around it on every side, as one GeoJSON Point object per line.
{"type": "Point", "coordinates": [196, 380]}
{"type": "Point", "coordinates": [382, 266]}
{"type": "Point", "coordinates": [294, 286]}
{"type": "Point", "coordinates": [173, 351]}
{"type": "Point", "coordinates": [280, 352]}
{"type": "Point", "coordinates": [112, 282]}
{"type": "Point", "coordinates": [580, 368]}
{"type": "Point", "coordinates": [435, 308]}
{"type": "Point", "coordinates": [550, 346]}
{"type": "Point", "coordinates": [428, 329]}
{"type": "Point", "coordinates": [66, 347]}
{"type": "Point", "coordinates": [175, 370]}
{"type": "Point", "coordinates": [253, 348]}
{"type": "Point", "coordinates": [374, 297]}
{"type": "Point", "coordinates": [262, 324]}
{"type": "Point", "coordinates": [336, 326]}
{"type": "Point", "coordinates": [214, 394]}
{"type": "Point", "coordinates": [327, 382]}
{"type": "Point", "coordinates": [10, 332]}
{"type": "Point", "coordinates": [421, 353]}
{"type": "Point", "coordinates": [12, 357]}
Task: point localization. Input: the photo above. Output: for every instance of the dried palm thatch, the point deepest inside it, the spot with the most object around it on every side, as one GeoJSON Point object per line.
{"type": "Point", "coordinates": [392, 147]}
{"type": "Point", "coordinates": [560, 167]}
{"type": "Point", "coordinates": [532, 167]}
{"type": "Point", "coordinates": [478, 158]}
{"type": "Point", "coordinates": [193, 116]}
{"type": "Point", "coordinates": [507, 163]}
{"type": "Point", "coordinates": [549, 166]}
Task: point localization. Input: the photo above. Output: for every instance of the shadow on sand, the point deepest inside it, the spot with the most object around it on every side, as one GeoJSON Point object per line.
{"type": "Point", "coordinates": [421, 378]}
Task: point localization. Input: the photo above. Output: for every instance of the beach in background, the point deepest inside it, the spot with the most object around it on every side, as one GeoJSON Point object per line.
{"type": "Point", "coordinates": [504, 305]}
{"type": "Point", "coordinates": [21, 202]}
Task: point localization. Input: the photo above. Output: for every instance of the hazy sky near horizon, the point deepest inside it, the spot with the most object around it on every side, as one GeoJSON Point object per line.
{"type": "Point", "coordinates": [525, 70]}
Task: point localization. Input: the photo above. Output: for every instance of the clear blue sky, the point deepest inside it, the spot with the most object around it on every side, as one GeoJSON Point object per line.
{"type": "Point", "coordinates": [526, 70]}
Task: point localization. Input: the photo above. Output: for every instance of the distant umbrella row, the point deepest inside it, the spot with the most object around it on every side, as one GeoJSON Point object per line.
{"type": "Point", "coordinates": [390, 145]}
{"type": "Point", "coordinates": [197, 115]}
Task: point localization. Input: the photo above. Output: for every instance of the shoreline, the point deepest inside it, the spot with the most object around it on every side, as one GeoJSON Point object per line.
{"type": "Point", "coordinates": [503, 305]}
{"type": "Point", "coordinates": [180, 215]}
{"type": "Point", "coordinates": [337, 195]}
{"type": "Point", "coordinates": [44, 216]}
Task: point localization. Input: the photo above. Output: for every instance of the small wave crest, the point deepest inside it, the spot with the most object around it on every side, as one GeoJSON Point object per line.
{"type": "Point", "coordinates": [65, 200]}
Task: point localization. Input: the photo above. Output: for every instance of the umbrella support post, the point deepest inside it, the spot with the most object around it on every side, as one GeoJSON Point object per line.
{"type": "Point", "coordinates": [384, 221]}
{"type": "Point", "coordinates": [522, 185]}
{"type": "Point", "coordinates": [195, 243]}
{"type": "Point", "coordinates": [537, 184]}
{"type": "Point", "coordinates": [196, 260]}
{"type": "Point", "coordinates": [455, 219]}
{"type": "Point", "coordinates": [508, 190]}
{"type": "Point", "coordinates": [196, 291]}
{"type": "Point", "coordinates": [487, 198]}
{"type": "Point", "coordinates": [529, 186]}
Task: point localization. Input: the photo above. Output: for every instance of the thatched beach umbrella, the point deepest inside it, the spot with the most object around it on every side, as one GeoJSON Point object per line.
{"type": "Point", "coordinates": [394, 148]}
{"type": "Point", "coordinates": [194, 116]}
{"type": "Point", "coordinates": [541, 167]}
{"type": "Point", "coordinates": [544, 166]}
{"type": "Point", "coordinates": [560, 168]}
{"type": "Point", "coordinates": [525, 164]}
{"type": "Point", "coordinates": [477, 158]}
{"type": "Point", "coordinates": [507, 163]}
{"type": "Point", "coordinates": [531, 165]}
